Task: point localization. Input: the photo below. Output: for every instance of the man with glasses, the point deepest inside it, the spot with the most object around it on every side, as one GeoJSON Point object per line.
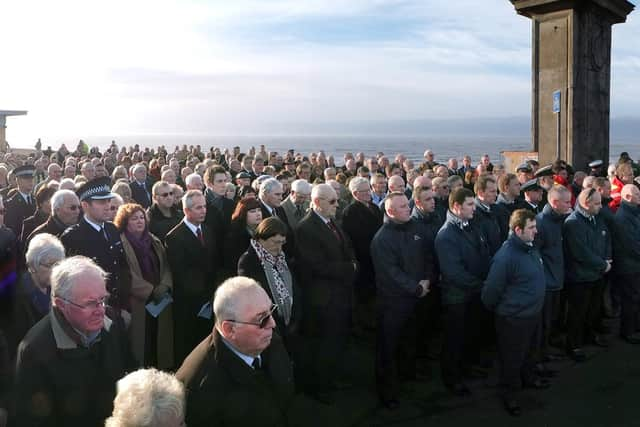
{"type": "Point", "coordinates": [327, 268]}
{"type": "Point", "coordinates": [587, 250]}
{"type": "Point", "coordinates": [240, 375]}
{"type": "Point", "coordinates": [65, 210]}
{"type": "Point", "coordinates": [94, 236]}
{"type": "Point", "coordinates": [163, 214]}
{"type": "Point", "coordinates": [68, 363]}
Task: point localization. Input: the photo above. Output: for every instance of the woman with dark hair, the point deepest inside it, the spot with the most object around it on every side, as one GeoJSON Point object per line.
{"type": "Point", "coordinates": [244, 221]}
{"type": "Point", "coordinates": [265, 262]}
{"type": "Point", "coordinates": [151, 337]}
{"type": "Point", "coordinates": [42, 213]}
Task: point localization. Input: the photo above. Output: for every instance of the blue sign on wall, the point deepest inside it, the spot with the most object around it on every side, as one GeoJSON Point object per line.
{"type": "Point", "coordinates": [556, 101]}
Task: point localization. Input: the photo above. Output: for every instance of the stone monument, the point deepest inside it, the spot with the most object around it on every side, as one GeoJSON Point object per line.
{"type": "Point", "coordinates": [572, 55]}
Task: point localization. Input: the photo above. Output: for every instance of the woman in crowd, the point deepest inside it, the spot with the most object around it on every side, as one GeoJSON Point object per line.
{"type": "Point", "coordinates": [244, 221]}
{"type": "Point", "coordinates": [122, 189]}
{"type": "Point", "coordinates": [151, 337]}
{"type": "Point", "coordinates": [33, 294]}
{"type": "Point", "coordinates": [119, 172]}
{"type": "Point", "coordinates": [148, 398]}
{"type": "Point", "coordinates": [265, 262]}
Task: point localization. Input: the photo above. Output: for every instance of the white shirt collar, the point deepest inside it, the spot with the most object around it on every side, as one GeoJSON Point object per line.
{"type": "Point", "coordinates": [194, 228]}
{"type": "Point", "coordinates": [245, 358]}
{"type": "Point", "coordinates": [98, 227]}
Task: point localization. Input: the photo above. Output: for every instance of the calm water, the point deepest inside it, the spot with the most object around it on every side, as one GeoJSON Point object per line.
{"type": "Point", "coordinates": [412, 146]}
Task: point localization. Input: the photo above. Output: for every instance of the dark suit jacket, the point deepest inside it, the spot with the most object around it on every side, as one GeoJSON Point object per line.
{"type": "Point", "coordinates": [52, 226]}
{"type": "Point", "coordinates": [249, 265]}
{"type": "Point", "coordinates": [361, 222]}
{"type": "Point", "coordinates": [139, 194]}
{"type": "Point", "coordinates": [223, 390]}
{"type": "Point", "coordinates": [326, 266]}
{"type": "Point", "coordinates": [83, 239]}
{"type": "Point", "coordinates": [289, 247]}
{"type": "Point", "coordinates": [30, 224]}
{"type": "Point", "coordinates": [235, 244]}
{"type": "Point", "coordinates": [17, 211]}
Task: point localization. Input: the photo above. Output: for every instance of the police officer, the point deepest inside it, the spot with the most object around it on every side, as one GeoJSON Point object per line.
{"type": "Point", "coordinates": [21, 204]}
{"type": "Point", "coordinates": [98, 239]}
{"type": "Point", "coordinates": [532, 196]}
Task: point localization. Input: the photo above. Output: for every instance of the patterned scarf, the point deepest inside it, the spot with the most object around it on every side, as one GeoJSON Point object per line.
{"type": "Point", "coordinates": [279, 278]}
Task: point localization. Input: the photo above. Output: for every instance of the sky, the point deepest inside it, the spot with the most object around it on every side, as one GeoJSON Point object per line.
{"type": "Point", "coordinates": [241, 67]}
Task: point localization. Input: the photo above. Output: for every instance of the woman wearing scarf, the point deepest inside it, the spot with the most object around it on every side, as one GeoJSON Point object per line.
{"type": "Point", "coordinates": [265, 262]}
{"type": "Point", "coordinates": [151, 337]}
{"type": "Point", "coordinates": [33, 295]}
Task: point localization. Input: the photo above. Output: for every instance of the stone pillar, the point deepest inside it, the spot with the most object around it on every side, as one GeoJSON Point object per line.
{"type": "Point", "coordinates": [3, 134]}
{"type": "Point", "coordinates": [572, 53]}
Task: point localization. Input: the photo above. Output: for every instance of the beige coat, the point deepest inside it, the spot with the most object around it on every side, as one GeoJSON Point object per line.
{"type": "Point", "coordinates": [141, 290]}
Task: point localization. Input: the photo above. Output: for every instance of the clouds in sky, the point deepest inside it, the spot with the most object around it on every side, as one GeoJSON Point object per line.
{"type": "Point", "coordinates": [234, 67]}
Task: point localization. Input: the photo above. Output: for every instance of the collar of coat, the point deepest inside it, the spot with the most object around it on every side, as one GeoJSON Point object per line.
{"type": "Point", "coordinates": [66, 337]}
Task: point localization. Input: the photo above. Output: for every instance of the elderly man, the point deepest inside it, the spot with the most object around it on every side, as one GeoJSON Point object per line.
{"type": "Point", "coordinates": [587, 249]}
{"type": "Point", "coordinates": [68, 363]}
{"type": "Point", "coordinates": [441, 192]}
{"type": "Point", "coordinates": [327, 268]}
{"type": "Point", "coordinates": [627, 261]}
{"type": "Point", "coordinates": [88, 170]}
{"type": "Point", "coordinates": [240, 375]}
{"type": "Point", "coordinates": [296, 205]}
{"type": "Point", "coordinates": [97, 238]}
{"type": "Point", "coordinates": [361, 220]}
{"type": "Point", "coordinates": [378, 188]}
{"type": "Point", "coordinates": [22, 204]}
{"type": "Point", "coordinates": [401, 279]}
{"type": "Point", "coordinates": [192, 256]}
{"type": "Point", "coordinates": [194, 182]}
{"type": "Point", "coordinates": [54, 173]}
{"type": "Point", "coordinates": [463, 254]}
{"type": "Point", "coordinates": [65, 210]}
{"type": "Point", "coordinates": [140, 188]}
{"type": "Point", "coordinates": [514, 291]}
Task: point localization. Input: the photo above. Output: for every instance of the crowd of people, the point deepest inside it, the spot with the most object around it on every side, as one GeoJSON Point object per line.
{"type": "Point", "coordinates": [247, 274]}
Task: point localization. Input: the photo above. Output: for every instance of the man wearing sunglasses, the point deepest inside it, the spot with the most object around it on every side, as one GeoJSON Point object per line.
{"type": "Point", "coordinates": [68, 363]}
{"type": "Point", "coordinates": [65, 210]}
{"type": "Point", "coordinates": [327, 267]}
{"type": "Point", "coordinates": [241, 373]}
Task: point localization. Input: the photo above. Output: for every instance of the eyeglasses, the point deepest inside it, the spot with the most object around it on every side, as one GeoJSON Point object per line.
{"type": "Point", "coordinates": [263, 322]}
{"type": "Point", "coordinates": [89, 305]}
{"type": "Point", "coordinates": [170, 193]}
{"type": "Point", "coordinates": [48, 264]}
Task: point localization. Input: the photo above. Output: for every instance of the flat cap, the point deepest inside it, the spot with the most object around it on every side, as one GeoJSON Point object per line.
{"type": "Point", "coordinates": [243, 174]}
{"type": "Point", "coordinates": [96, 189]}
{"type": "Point", "coordinates": [531, 185]}
{"type": "Point", "coordinates": [524, 167]}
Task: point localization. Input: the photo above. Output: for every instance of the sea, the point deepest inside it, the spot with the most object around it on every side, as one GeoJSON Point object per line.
{"type": "Point", "coordinates": [444, 147]}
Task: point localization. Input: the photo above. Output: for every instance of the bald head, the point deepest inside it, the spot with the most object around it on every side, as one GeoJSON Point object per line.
{"type": "Point", "coordinates": [631, 194]}
{"type": "Point", "coordinates": [396, 184]}
{"type": "Point", "coordinates": [422, 181]}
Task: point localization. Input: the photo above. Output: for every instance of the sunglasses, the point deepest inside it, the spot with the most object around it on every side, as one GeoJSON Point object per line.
{"type": "Point", "coordinates": [263, 322]}
{"type": "Point", "coordinates": [330, 201]}
{"type": "Point", "coordinates": [170, 193]}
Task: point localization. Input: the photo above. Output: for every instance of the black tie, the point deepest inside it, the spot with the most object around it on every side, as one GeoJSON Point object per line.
{"type": "Point", "coordinates": [29, 202]}
{"type": "Point", "coordinates": [104, 233]}
{"type": "Point", "coordinates": [256, 363]}
{"type": "Point", "coordinates": [333, 228]}
{"type": "Point", "coordinates": [200, 236]}
{"type": "Point", "coordinates": [299, 212]}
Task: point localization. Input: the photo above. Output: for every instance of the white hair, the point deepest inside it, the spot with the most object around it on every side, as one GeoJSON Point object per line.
{"type": "Point", "coordinates": [192, 178]}
{"type": "Point", "coordinates": [67, 184]}
{"type": "Point", "coordinates": [230, 295]}
{"type": "Point", "coordinates": [57, 200]}
{"type": "Point", "coordinates": [65, 275]}
{"type": "Point", "coordinates": [268, 185]}
{"type": "Point", "coordinates": [301, 186]}
{"type": "Point", "coordinates": [147, 398]}
{"type": "Point", "coordinates": [44, 247]}
{"type": "Point", "coordinates": [357, 182]}
{"type": "Point", "coordinates": [321, 190]}
{"type": "Point", "coordinates": [137, 167]}
{"type": "Point", "coordinates": [187, 198]}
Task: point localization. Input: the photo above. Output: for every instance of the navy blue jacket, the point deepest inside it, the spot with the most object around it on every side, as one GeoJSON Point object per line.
{"type": "Point", "coordinates": [464, 261]}
{"type": "Point", "coordinates": [549, 243]}
{"type": "Point", "coordinates": [626, 242]}
{"type": "Point", "coordinates": [428, 226]}
{"type": "Point", "coordinates": [487, 222]}
{"type": "Point", "coordinates": [587, 246]}
{"type": "Point", "coordinates": [398, 252]}
{"type": "Point", "coordinates": [515, 286]}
